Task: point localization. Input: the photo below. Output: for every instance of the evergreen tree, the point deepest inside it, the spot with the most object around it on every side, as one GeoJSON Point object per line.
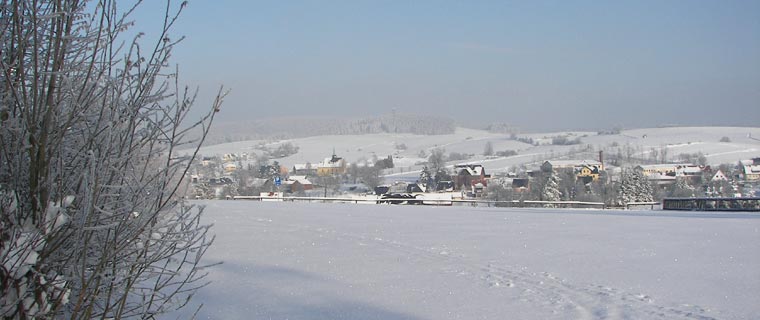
{"type": "Point", "coordinates": [426, 178]}
{"type": "Point", "coordinates": [274, 170]}
{"type": "Point", "coordinates": [550, 190]}
{"type": "Point", "coordinates": [634, 187]}
{"type": "Point", "coordinates": [646, 192]}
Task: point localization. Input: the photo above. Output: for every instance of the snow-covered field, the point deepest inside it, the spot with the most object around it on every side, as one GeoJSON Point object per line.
{"type": "Point", "coordinates": [348, 261]}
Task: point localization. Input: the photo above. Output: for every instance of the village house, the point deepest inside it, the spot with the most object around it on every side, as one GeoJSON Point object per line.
{"type": "Point", "coordinates": [470, 176]}
{"type": "Point", "coordinates": [415, 188]}
{"type": "Point", "coordinates": [296, 183]}
{"type": "Point", "coordinates": [586, 170]}
{"type": "Point", "coordinates": [444, 186]}
{"type": "Point", "coordinates": [230, 157]}
{"type": "Point", "coordinates": [669, 169]}
{"type": "Point", "coordinates": [665, 174]}
{"type": "Point", "coordinates": [207, 161]}
{"type": "Point", "coordinates": [750, 169]}
{"type": "Point", "coordinates": [230, 167]}
{"type": "Point", "coordinates": [331, 166]}
{"type": "Point", "coordinates": [719, 176]}
{"type": "Point", "coordinates": [520, 185]}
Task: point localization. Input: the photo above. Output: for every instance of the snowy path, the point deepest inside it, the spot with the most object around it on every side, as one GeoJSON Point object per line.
{"type": "Point", "coordinates": [299, 261]}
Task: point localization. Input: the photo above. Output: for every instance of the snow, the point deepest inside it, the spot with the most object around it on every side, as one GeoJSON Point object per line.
{"type": "Point", "coordinates": [285, 260]}
{"type": "Point", "coordinates": [408, 163]}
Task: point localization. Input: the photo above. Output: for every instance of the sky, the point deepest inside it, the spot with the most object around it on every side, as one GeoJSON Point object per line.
{"type": "Point", "coordinates": [537, 65]}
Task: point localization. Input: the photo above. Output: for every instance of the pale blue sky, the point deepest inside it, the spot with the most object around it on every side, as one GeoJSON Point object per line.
{"type": "Point", "coordinates": [535, 64]}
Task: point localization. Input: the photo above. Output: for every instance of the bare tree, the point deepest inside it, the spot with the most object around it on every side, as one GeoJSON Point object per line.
{"type": "Point", "coordinates": [488, 149]}
{"type": "Point", "coordinates": [437, 159]}
{"type": "Point", "coordinates": [370, 176]}
{"type": "Point", "coordinates": [663, 155]}
{"type": "Point", "coordinates": [91, 222]}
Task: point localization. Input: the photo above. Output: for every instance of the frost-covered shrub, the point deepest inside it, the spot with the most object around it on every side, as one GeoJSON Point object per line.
{"type": "Point", "coordinates": [91, 222]}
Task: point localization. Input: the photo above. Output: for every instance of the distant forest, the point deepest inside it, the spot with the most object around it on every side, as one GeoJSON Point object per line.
{"type": "Point", "coordinates": [297, 127]}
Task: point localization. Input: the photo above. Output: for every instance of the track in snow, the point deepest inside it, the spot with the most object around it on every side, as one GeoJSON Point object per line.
{"type": "Point", "coordinates": [541, 289]}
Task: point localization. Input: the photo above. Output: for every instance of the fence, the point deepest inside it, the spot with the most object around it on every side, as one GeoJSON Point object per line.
{"type": "Point", "coordinates": [712, 204]}
{"type": "Point", "coordinates": [440, 202]}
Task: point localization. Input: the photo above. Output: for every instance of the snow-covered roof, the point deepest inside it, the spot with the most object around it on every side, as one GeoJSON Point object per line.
{"type": "Point", "coordinates": [719, 176]}
{"type": "Point", "coordinates": [683, 168]}
{"type": "Point", "coordinates": [751, 169]}
{"type": "Point", "coordinates": [257, 182]}
{"type": "Point", "coordinates": [691, 170]}
{"type": "Point", "coordinates": [664, 166]}
{"type": "Point", "coordinates": [556, 164]}
{"type": "Point", "coordinates": [675, 169]}
{"type": "Point", "coordinates": [472, 169]}
{"type": "Point", "coordinates": [300, 179]}
{"type": "Point", "coordinates": [329, 164]}
{"type": "Point", "coordinates": [661, 177]}
{"type": "Point", "coordinates": [332, 162]}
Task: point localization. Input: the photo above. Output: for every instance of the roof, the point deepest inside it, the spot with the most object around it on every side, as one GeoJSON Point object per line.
{"type": "Point", "coordinates": [258, 182]}
{"type": "Point", "coordinates": [719, 176]}
{"type": "Point", "coordinates": [328, 164]}
{"type": "Point", "coordinates": [751, 169]}
{"type": "Point", "coordinates": [667, 166]}
{"type": "Point", "coordinates": [471, 169]}
{"type": "Point", "coordinates": [572, 163]}
{"type": "Point", "coordinates": [332, 162]}
{"type": "Point", "coordinates": [661, 177]}
{"type": "Point", "coordinates": [300, 179]}
{"type": "Point", "coordinates": [520, 183]}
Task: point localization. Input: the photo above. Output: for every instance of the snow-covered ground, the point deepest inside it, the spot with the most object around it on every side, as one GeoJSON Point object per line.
{"type": "Point", "coordinates": [347, 261]}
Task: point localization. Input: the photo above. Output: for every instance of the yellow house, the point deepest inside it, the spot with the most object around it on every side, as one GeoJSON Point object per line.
{"type": "Point", "coordinates": [585, 170]}
{"type": "Point", "coordinates": [751, 169]}
{"type": "Point", "coordinates": [331, 166]}
{"type": "Point", "coordinates": [588, 171]}
{"type": "Point", "coordinates": [230, 167]}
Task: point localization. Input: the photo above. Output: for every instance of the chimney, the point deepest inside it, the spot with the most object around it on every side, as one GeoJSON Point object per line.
{"type": "Point", "coordinates": [601, 158]}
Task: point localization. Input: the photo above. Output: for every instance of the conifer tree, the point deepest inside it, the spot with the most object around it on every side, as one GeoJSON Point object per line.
{"type": "Point", "coordinates": [634, 187]}
{"type": "Point", "coordinates": [426, 177]}
{"type": "Point", "coordinates": [550, 191]}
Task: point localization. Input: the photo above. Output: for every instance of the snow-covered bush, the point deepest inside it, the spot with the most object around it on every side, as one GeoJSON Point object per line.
{"type": "Point", "coordinates": [634, 187]}
{"type": "Point", "coordinates": [91, 225]}
{"type": "Point", "coordinates": [550, 190]}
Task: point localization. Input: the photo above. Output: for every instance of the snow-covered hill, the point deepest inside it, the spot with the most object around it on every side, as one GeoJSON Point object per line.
{"type": "Point", "coordinates": [744, 144]}
{"type": "Point", "coordinates": [345, 261]}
